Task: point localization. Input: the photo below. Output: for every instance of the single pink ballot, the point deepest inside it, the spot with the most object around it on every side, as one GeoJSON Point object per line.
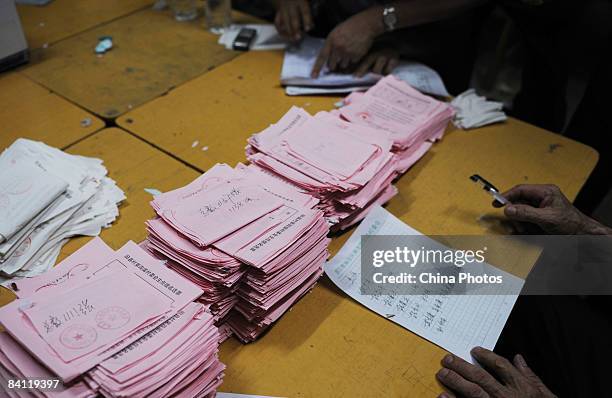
{"type": "Point", "coordinates": [88, 318]}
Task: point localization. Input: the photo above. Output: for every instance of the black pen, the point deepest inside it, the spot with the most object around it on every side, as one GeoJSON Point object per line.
{"type": "Point", "coordinates": [490, 188]}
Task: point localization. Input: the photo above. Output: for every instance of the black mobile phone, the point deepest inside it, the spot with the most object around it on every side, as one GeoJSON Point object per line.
{"type": "Point", "coordinates": [242, 42]}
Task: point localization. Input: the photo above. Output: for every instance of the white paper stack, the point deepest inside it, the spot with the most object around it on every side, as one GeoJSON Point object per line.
{"type": "Point", "coordinates": [145, 339]}
{"type": "Point", "coordinates": [47, 196]}
{"type": "Point", "coordinates": [300, 59]}
{"type": "Point", "coordinates": [250, 240]}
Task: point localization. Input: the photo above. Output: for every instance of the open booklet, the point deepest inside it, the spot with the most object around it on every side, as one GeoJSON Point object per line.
{"type": "Point", "coordinates": [456, 323]}
{"type": "Point", "coordinates": [300, 59]}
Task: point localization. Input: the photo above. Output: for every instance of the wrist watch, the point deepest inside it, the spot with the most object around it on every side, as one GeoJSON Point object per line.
{"type": "Point", "coordinates": [389, 18]}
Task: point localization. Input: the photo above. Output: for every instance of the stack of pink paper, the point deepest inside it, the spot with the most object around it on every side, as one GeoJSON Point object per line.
{"type": "Point", "coordinates": [250, 240]}
{"type": "Point", "coordinates": [215, 272]}
{"type": "Point", "coordinates": [348, 159]}
{"type": "Point", "coordinates": [413, 119]}
{"type": "Point", "coordinates": [346, 166]}
{"type": "Point", "coordinates": [119, 324]}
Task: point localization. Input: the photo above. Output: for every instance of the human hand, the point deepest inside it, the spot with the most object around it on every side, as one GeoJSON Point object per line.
{"type": "Point", "coordinates": [498, 378]}
{"type": "Point", "coordinates": [345, 45]}
{"type": "Point", "coordinates": [381, 62]}
{"type": "Point", "coordinates": [548, 208]}
{"type": "Point", "coordinates": [293, 18]}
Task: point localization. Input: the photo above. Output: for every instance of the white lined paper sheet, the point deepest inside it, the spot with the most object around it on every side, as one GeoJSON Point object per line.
{"type": "Point", "coordinates": [456, 323]}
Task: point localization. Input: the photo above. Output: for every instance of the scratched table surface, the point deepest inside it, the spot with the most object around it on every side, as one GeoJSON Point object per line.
{"type": "Point", "coordinates": [63, 18]}
{"type": "Point", "coordinates": [152, 54]}
{"type": "Point", "coordinates": [29, 110]}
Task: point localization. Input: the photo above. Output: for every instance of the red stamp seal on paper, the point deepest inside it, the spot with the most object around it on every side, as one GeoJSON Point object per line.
{"type": "Point", "coordinates": [77, 337]}
{"type": "Point", "coordinates": [112, 317]}
{"type": "Point", "coordinates": [363, 115]}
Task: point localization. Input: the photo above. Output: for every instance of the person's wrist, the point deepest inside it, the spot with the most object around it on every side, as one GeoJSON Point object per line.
{"type": "Point", "coordinates": [373, 20]}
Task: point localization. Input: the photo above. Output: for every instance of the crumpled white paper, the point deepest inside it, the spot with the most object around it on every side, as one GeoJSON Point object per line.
{"type": "Point", "coordinates": [473, 110]}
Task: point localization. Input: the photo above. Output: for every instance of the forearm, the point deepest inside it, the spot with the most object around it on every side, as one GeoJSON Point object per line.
{"type": "Point", "coordinates": [412, 13]}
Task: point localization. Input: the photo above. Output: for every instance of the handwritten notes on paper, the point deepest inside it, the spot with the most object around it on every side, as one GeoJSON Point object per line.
{"type": "Point", "coordinates": [453, 322]}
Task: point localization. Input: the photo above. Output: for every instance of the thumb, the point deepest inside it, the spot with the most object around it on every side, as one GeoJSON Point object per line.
{"type": "Point", "coordinates": [524, 213]}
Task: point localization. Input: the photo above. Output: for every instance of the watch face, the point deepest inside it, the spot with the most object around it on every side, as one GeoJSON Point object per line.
{"type": "Point", "coordinates": [390, 20]}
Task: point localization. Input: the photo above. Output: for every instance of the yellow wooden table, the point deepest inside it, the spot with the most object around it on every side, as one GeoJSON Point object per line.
{"type": "Point", "coordinates": [329, 345]}
{"type": "Point", "coordinates": [63, 18]}
{"type": "Point", "coordinates": [152, 54]}
{"type": "Point", "coordinates": [31, 111]}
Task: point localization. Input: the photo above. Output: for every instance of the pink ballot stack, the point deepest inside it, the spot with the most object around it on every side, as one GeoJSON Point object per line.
{"type": "Point", "coordinates": [348, 159]}
{"type": "Point", "coordinates": [252, 242]}
{"type": "Point", "coordinates": [119, 324]}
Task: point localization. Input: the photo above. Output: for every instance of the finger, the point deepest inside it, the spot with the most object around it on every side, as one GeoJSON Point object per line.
{"type": "Point", "coordinates": [447, 394]}
{"type": "Point", "coordinates": [295, 23]}
{"type": "Point", "coordinates": [497, 365]}
{"type": "Point", "coordinates": [526, 213]}
{"type": "Point", "coordinates": [365, 65]}
{"type": "Point", "coordinates": [474, 374]}
{"type": "Point", "coordinates": [379, 66]}
{"type": "Point", "coordinates": [321, 60]}
{"type": "Point", "coordinates": [307, 23]}
{"type": "Point", "coordinates": [497, 204]}
{"type": "Point", "coordinates": [391, 65]}
{"type": "Point", "coordinates": [458, 384]}
{"type": "Point", "coordinates": [527, 193]}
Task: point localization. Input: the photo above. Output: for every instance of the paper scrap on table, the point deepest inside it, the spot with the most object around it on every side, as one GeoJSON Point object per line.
{"type": "Point", "coordinates": [475, 111]}
{"type": "Point", "coordinates": [153, 191]}
{"type": "Point", "coordinates": [463, 321]}
{"type": "Point", "coordinates": [105, 43]}
{"type": "Point", "coordinates": [299, 61]}
{"type": "Point", "coordinates": [267, 37]}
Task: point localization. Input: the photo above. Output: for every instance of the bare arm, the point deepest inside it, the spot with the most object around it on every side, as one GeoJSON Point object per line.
{"type": "Point", "coordinates": [351, 40]}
